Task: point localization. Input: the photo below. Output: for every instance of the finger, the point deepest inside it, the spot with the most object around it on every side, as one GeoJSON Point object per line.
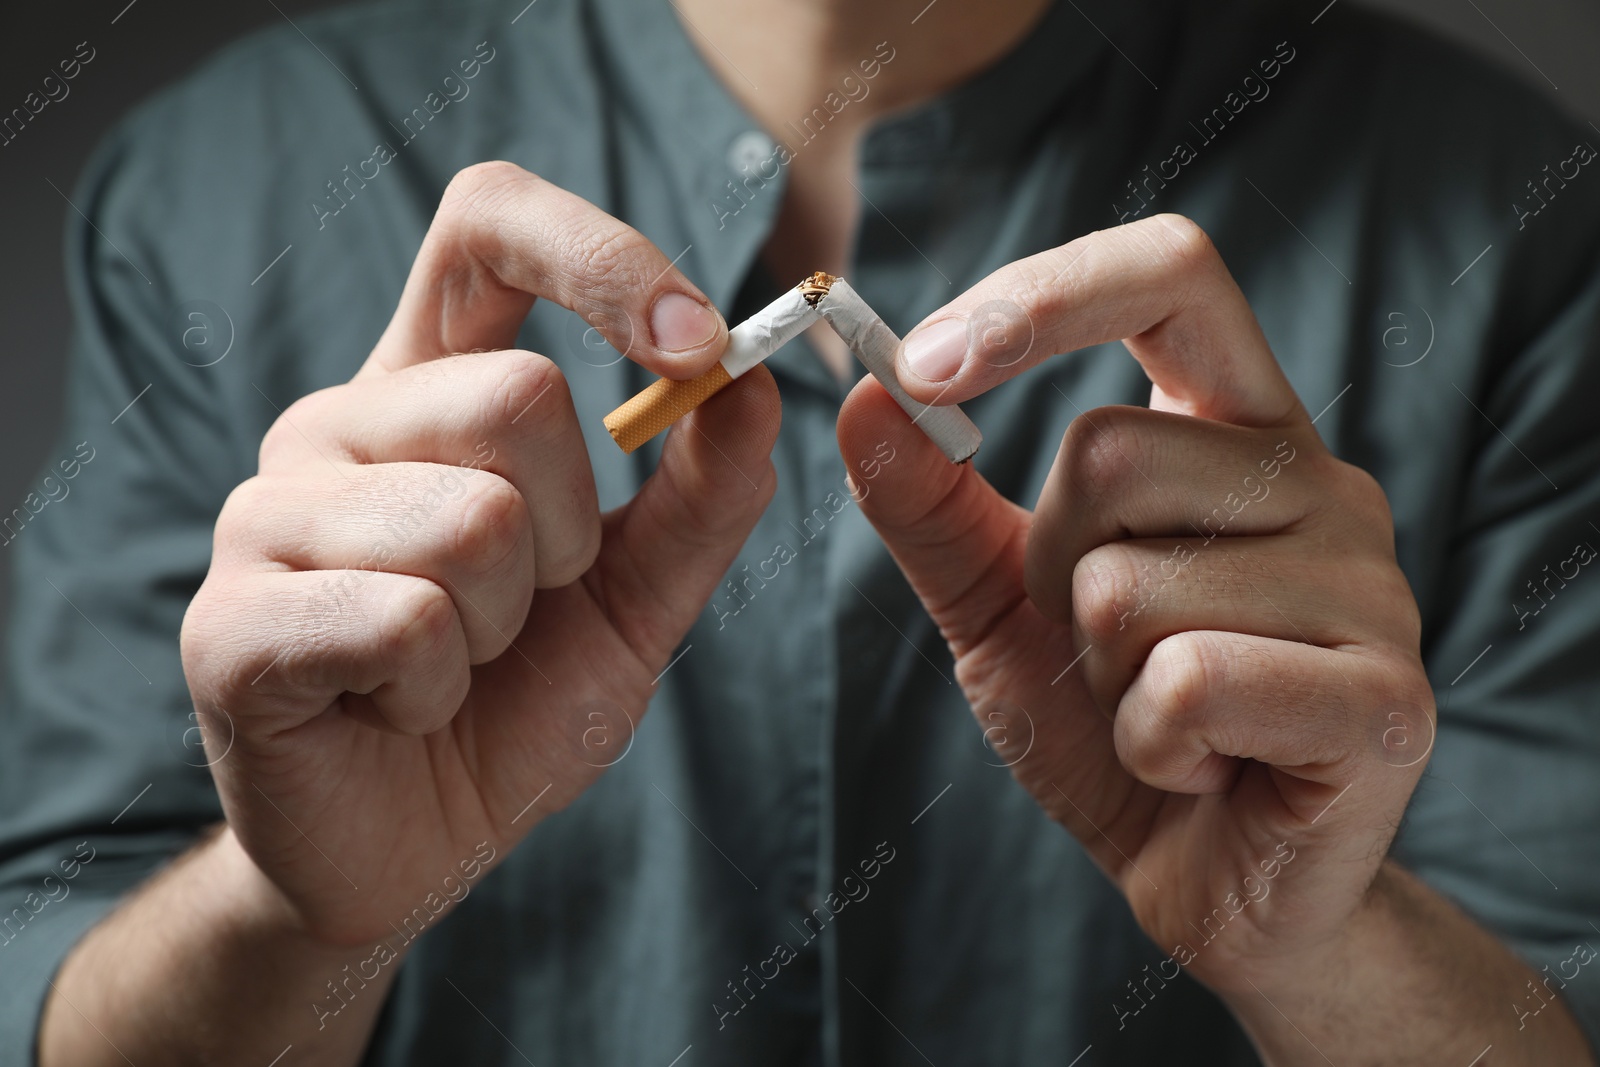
{"type": "Point", "coordinates": [503, 237]}
{"type": "Point", "coordinates": [666, 550]}
{"type": "Point", "coordinates": [1158, 284]}
{"type": "Point", "coordinates": [1131, 472]}
{"type": "Point", "coordinates": [509, 413]}
{"type": "Point", "coordinates": [279, 647]}
{"type": "Point", "coordinates": [1128, 596]}
{"type": "Point", "coordinates": [1207, 700]}
{"type": "Point", "coordinates": [465, 530]}
{"type": "Point", "coordinates": [959, 542]}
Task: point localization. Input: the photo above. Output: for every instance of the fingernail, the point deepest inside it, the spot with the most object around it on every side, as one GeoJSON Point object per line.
{"type": "Point", "coordinates": [935, 353]}
{"type": "Point", "coordinates": [679, 322]}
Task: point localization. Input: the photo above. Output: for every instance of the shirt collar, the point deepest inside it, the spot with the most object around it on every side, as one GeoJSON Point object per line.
{"type": "Point", "coordinates": [701, 139]}
{"type": "Point", "coordinates": [714, 156]}
{"type": "Point", "coordinates": [995, 114]}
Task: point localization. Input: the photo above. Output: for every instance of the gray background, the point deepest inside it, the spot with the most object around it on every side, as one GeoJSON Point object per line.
{"type": "Point", "coordinates": [143, 45]}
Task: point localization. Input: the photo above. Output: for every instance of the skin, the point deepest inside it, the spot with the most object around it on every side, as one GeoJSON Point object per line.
{"type": "Point", "coordinates": [1215, 717]}
{"type": "Point", "coordinates": [410, 716]}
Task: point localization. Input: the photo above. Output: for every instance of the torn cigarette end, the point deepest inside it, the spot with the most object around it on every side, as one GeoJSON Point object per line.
{"type": "Point", "coordinates": [821, 296]}
{"type": "Point", "coordinates": [816, 287]}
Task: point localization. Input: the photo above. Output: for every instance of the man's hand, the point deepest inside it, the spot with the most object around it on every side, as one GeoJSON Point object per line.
{"type": "Point", "coordinates": [418, 630]}
{"type": "Point", "coordinates": [1203, 620]}
{"type": "Point", "coordinates": [411, 651]}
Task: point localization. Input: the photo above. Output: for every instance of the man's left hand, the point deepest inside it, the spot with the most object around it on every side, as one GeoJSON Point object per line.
{"type": "Point", "coordinates": [1202, 628]}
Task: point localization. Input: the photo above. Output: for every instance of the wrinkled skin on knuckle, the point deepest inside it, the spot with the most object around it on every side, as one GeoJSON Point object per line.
{"type": "Point", "coordinates": [476, 190]}
{"type": "Point", "coordinates": [416, 628]}
{"type": "Point", "coordinates": [472, 232]}
{"type": "Point", "coordinates": [491, 526]}
{"type": "Point", "coordinates": [1367, 502]}
{"type": "Point", "coordinates": [610, 258]}
{"type": "Point", "coordinates": [1186, 244]}
{"type": "Point", "coordinates": [234, 538]}
{"type": "Point", "coordinates": [1184, 669]}
{"type": "Point", "coordinates": [1041, 290]}
{"type": "Point", "coordinates": [608, 266]}
{"type": "Point", "coordinates": [1389, 616]}
{"type": "Point", "coordinates": [219, 650]}
{"type": "Point", "coordinates": [1356, 528]}
{"type": "Point", "coordinates": [1181, 673]}
{"type": "Point", "coordinates": [526, 382]}
{"type": "Point", "coordinates": [1099, 451]}
{"type": "Point", "coordinates": [197, 641]}
{"type": "Point", "coordinates": [285, 442]}
{"type": "Point", "coordinates": [1186, 251]}
{"type": "Point", "coordinates": [1104, 588]}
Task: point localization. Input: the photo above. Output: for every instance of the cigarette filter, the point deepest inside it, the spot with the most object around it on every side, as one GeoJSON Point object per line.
{"type": "Point", "coordinates": [822, 296]}
{"type": "Point", "coordinates": [665, 401]}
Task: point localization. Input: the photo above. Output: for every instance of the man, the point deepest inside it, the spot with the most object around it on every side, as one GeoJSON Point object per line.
{"type": "Point", "coordinates": [437, 602]}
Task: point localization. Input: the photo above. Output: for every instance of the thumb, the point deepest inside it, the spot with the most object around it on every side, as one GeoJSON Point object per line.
{"type": "Point", "coordinates": [664, 552]}
{"type": "Point", "coordinates": [959, 542]}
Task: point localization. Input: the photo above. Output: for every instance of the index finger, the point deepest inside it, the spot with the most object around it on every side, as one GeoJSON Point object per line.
{"type": "Point", "coordinates": [503, 237]}
{"type": "Point", "coordinates": [1157, 284]}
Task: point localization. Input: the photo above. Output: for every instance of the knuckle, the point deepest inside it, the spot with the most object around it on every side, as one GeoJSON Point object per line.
{"type": "Point", "coordinates": [1187, 243]}
{"type": "Point", "coordinates": [417, 628]}
{"type": "Point", "coordinates": [524, 379]}
{"type": "Point", "coordinates": [238, 523]}
{"type": "Point", "coordinates": [248, 500]}
{"type": "Point", "coordinates": [217, 645]}
{"type": "Point", "coordinates": [1103, 584]}
{"type": "Point", "coordinates": [1367, 494]}
{"type": "Point", "coordinates": [1183, 669]}
{"type": "Point", "coordinates": [610, 257]}
{"type": "Point", "coordinates": [493, 523]}
{"type": "Point", "coordinates": [1100, 449]}
{"type": "Point", "coordinates": [1041, 290]}
{"type": "Point", "coordinates": [1414, 691]}
{"type": "Point", "coordinates": [1387, 608]}
{"type": "Point", "coordinates": [285, 440]}
{"type": "Point", "coordinates": [1352, 508]}
{"type": "Point", "coordinates": [479, 187]}
{"type": "Point", "coordinates": [1400, 704]}
{"type": "Point", "coordinates": [197, 638]}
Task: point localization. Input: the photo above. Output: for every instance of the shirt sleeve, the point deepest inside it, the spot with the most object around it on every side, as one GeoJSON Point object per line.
{"type": "Point", "coordinates": [102, 775]}
{"type": "Point", "coordinates": [1506, 820]}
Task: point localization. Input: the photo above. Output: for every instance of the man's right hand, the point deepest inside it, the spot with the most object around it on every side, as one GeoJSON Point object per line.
{"type": "Point", "coordinates": [416, 619]}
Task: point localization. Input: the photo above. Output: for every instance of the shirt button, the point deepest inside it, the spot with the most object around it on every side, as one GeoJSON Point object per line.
{"type": "Point", "coordinates": [749, 150]}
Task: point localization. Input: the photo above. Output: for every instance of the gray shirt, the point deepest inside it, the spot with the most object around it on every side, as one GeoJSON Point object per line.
{"type": "Point", "coordinates": [808, 854]}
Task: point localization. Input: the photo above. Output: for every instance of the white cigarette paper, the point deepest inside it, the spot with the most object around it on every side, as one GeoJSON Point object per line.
{"type": "Point", "coordinates": [875, 345]}
{"type": "Point", "coordinates": [753, 340]}
{"type": "Point", "coordinates": [768, 330]}
{"type": "Point", "coordinates": [667, 400]}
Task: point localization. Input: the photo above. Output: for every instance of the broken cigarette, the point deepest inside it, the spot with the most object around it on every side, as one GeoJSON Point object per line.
{"type": "Point", "coordinates": [820, 296]}
{"type": "Point", "coordinates": [665, 401]}
{"type": "Point", "coordinates": [874, 344]}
